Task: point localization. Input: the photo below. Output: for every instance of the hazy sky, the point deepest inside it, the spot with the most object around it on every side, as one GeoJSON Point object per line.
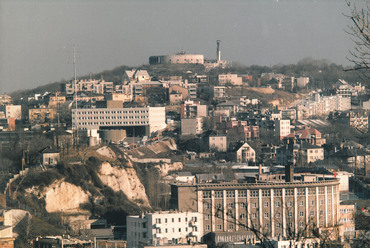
{"type": "Point", "coordinates": [37, 37]}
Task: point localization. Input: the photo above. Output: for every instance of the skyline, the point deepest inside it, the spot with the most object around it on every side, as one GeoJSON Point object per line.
{"type": "Point", "coordinates": [37, 37]}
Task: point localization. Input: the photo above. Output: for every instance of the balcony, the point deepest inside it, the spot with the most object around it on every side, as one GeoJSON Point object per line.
{"type": "Point", "coordinates": [157, 225]}
{"type": "Point", "coordinates": [194, 234]}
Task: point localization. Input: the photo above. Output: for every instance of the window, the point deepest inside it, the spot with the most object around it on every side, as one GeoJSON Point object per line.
{"type": "Point", "coordinates": [254, 215]}
{"type": "Point", "coordinates": [218, 206]}
{"type": "Point", "coordinates": [267, 225]}
{"type": "Point", "coordinates": [242, 193]}
{"type": "Point", "coordinates": [207, 217]}
{"type": "Point", "coordinates": [179, 219]}
{"type": "Point", "coordinates": [254, 193]}
{"type": "Point", "coordinates": [301, 203]}
{"type": "Point", "coordinates": [266, 215]}
{"type": "Point", "coordinates": [179, 229]}
{"type": "Point", "coordinates": [278, 225]}
{"type": "Point", "coordinates": [289, 204]}
{"type": "Point", "coordinates": [242, 216]}
{"type": "Point", "coordinates": [277, 215]}
{"type": "Point", "coordinates": [290, 214]}
{"type": "Point", "coordinates": [165, 220]}
{"type": "Point", "coordinates": [265, 193]}
{"type": "Point", "coordinates": [230, 193]}
{"type": "Point", "coordinates": [219, 227]}
{"type": "Point", "coordinates": [207, 227]}
{"type": "Point", "coordinates": [206, 205]}
{"type": "Point", "coordinates": [231, 226]}
{"type": "Point", "coordinates": [206, 194]}
{"type": "Point", "coordinates": [242, 205]}
{"type": "Point", "coordinates": [312, 202]}
{"type": "Point", "coordinates": [218, 194]}
{"type": "Point", "coordinates": [321, 212]}
{"type": "Point", "coordinates": [254, 204]}
{"type": "Point", "coordinates": [165, 230]}
{"type": "Point", "coordinates": [230, 205]}
{"type": "Point", "coordinates": [321, 202]}
{"type": "Point", "coordinates": [266, 204]}
{"type": "Point", "coordinates": [312, 213]}
{"type": "Point", "coordinates": [173, 219]}
{"type": "Point", "coordinates": [277, 204]}
{"type": "Point", "coordinates": [301, 214]}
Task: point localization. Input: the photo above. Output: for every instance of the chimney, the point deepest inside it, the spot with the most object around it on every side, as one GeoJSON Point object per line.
{"type": "Point", "coordinates": [289, 175]}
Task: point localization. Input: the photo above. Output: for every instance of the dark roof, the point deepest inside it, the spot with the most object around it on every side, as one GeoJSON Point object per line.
{"type": "Point", "coordinates": [50, 150]}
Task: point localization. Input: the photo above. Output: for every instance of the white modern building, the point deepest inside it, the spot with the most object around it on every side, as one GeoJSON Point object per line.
{"type": "Point", "coordinates": [13, 111]}
{"type": "Point", "coordinates": [151, 119]}
{"type": "Point", "coordinates": [164, 227]}
{"type": "Point", "coordinates": [282, 128]}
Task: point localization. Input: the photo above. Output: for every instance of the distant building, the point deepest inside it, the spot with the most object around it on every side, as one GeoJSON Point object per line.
{"type": "Point", "coordinates": [50, 157]}
{"type": "Point", "coordinates": [191, 126]}
{"type": "Point", "coordinates": [163, 228]}
{"type": "Point", "coordinates": [282, 128]}
{"type": "Point", "coordinates": [302, 82]}
{"type": "Point", "coordinates": [217, 143]}
{"type": "Point", "coordinates": [41, 115]}
{"type": "Point", "coordinates": [245, 153]}
{"type": "Point", "coordinates": [347, 221]}
{"type": "Point", "coordinates": [229, 78]}
{"type": "Point", "coordinates": [193, 109]}
{"type": "Point", "coordinates": [13, 111]}
{"type": "Point", "coordinates": [178, 58]}
{"type": "Point", "coordinates": [135, 75]}
{"type": "Point", "coordinates": [99, 87]}
{"type": "Point", "coordinates": [144, 120]}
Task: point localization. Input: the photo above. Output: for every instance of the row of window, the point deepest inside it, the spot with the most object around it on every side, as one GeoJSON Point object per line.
{"type": "Point", "coordinates": [166, 220]}
{"type": "Point", "coordinates": [266, 193]}
{"type": "Point", "coordinates": [112, 117]}
{"type": "Point", "coordinates": [114, 123]}
{"type": "Point", "coordinates": [266, 204]}
{"type": "Point", "coordinates": [95, 112]}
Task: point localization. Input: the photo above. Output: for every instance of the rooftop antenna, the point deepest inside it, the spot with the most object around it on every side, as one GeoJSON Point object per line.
{"type": "Point", "coordinates": [75, 81]}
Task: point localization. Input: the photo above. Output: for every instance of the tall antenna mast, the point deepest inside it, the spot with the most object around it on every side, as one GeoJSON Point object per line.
{"type": "Point", "coordinates": [76, 97]}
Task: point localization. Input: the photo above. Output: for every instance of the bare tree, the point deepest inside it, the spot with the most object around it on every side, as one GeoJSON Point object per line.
{"type": "Point", "coordinates": [360, 32]}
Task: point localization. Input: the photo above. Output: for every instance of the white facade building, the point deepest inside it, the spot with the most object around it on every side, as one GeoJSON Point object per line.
{"type": "Point", "coordinates": [282, 128]}
{"type": "Point", "coordinates": [156, 228]}
{"type": "Point", "coordinates": [13, 111]}
{"type": "Point", "coordinates": [88, 119]}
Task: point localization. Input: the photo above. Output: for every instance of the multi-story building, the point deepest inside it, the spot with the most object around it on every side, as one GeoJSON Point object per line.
{"type": "Point", "coordinates": [302, 82]}
{"type": "Point", "coordinates": [144, 120]}
{"type": "Point", "coordinates": [88, 86]}
{"type": "Point", "coordinates": [245, 153]}
{"type": "Point", "coordinates": [219, 92]}
{"type": "Point", "coordinates": [135, 75]}
{"type": "Point", "coordinates": [282, 128]}
{"type": "Point", "coordinates": [217, 143]}
{"type": "Point", "coordinates": [56, 101]}
{"type": "Point", "coordinates": [191, 126]}
{"type": "Point", "coordinates": [178, 58]}
{"type": "Point", "coordinates": [165, 227]}
{"type": "Point", "coordinates": [271, 206]}
{"type": "Point", "coordinates": [230, 78]}
{"type": "Point", "coordinates": [193, 109]}
{"type": "Point", "coordinates": [13, 111]}
{"type": "Point", "coordinates": [347, 220]}
{"type": "Point", "coordinates": [41, 115]}
{"type": "Point", "coordinates": [323, 105]}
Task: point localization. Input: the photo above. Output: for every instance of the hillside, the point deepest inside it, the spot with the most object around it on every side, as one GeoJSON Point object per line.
{"type": "Point", "coordinates": [106, 184]}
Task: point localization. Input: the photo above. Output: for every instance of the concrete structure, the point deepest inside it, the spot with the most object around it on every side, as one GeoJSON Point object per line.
{"type": "Point", "coordinates": [217, 143]}
{"type": "Point", "coordinates": [272, 206]}
{"type": "Point", "coordinates": [56, 101]}
{"type": "Point", "coordinates": [282, 128]}
{"type": "Point", "coordinates": [191, 126]}
{"type": "Point", "coordinates": [122, 93]}
{"type": "Point", "coordinates": [164, 227]}
{"type": "Point", "coordinates": [232, 79]}
{"type": "Point", "coordinates": [147, 119]}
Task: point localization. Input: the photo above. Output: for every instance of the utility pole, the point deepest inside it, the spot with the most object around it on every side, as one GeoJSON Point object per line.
{"type": "Point", "coordinates": [76, 97]}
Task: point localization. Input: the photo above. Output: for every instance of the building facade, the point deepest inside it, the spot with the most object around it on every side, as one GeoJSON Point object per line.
{"type": "Point", "coordinates": [274, 208]}
{"type": "Point", "coordinates": [152, 118]}
{"type": "Point", "coordinates": [164, 227]}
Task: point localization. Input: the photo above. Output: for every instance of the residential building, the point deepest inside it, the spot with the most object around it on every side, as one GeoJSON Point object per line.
{"type": "Point", "coordinates": [99, 87]}
{"type": "Point", "coordinates": [219, 92]}
{"type": "Point", "coordinates": [299, 154]}
{"type": "Point", "coordinates": [56, 101]}
{"type": "Point", "coordinates": [191, 126]}
{"type": "Point", "coordinates": [164, 227]}
{"type": "Point", "coordinates": [122, 93]}
{"type": "Point", "coordinates": [135, 75]}
{"type": "Point", "coordinates": [41, 115]}
{"type": "Point", "coordinates": [347, 220]}
{"type": "Point", "coordinates": [282, 128]}
{"type": "Point", "coordinates": [245, 153]}
{"type": "Point", "coordinates": [193, 109]}
{"type": "Point", "coordinates": [228, 78]}
{"type": "Point", "coordinates": [13, 111]}
{"type": "Point", "coordinates": [310, 135]}
{"type": "Point", "coordinates": [217, 143]}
